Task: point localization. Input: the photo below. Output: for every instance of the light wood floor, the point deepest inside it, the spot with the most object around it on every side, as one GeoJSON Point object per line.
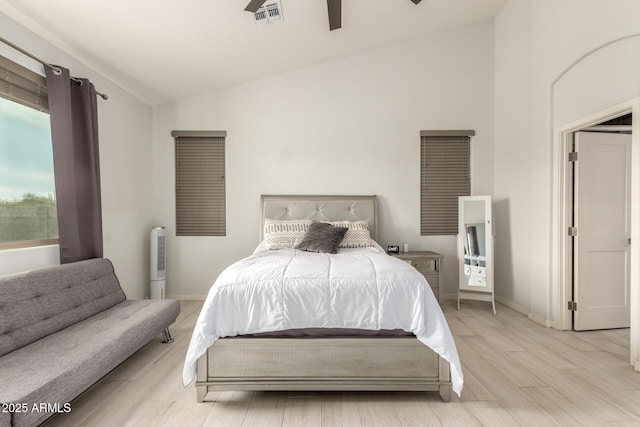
{"type": "Point", "coordinates": [516, 373]}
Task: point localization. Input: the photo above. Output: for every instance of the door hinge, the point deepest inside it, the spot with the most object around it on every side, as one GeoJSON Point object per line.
{"type": "Point", "coordinates": [572, 231]}
{"type": "Point", "coordinates": [573, 156]}
{"type": "Point", "coordinates": [572, 306]}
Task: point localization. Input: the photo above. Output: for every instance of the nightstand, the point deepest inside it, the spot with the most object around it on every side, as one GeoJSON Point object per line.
{"type": "Point", "coordinates": [428, 263]}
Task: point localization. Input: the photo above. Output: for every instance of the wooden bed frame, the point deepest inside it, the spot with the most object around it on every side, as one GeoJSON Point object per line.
{"type": "Point", "coordinates": [322, 364]}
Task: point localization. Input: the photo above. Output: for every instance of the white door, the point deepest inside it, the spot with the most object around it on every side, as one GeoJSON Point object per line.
{"type": "Point", "coordinates": [602, 208]}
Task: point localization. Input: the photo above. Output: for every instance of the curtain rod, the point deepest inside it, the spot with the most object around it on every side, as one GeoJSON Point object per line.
{"type": "Point", "coordinates": [57, 71]}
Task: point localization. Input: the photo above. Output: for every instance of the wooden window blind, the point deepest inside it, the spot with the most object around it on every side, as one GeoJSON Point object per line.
{"type": "Point", "coordinates": [200, 183]}
{"type": "Point", "coordinates": [445, 174]}
{"type": "Point", "coordinates": [23, 86]}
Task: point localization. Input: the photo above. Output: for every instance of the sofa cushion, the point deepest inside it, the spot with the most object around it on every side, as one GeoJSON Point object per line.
{"type": "Point", "coordinates": [59, 367]}
{"type": "Point", "coordinates": [41, 302]}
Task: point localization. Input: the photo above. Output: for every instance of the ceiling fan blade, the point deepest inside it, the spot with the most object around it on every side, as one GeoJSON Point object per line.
{"type": "Point", "coordinates": [416, 1]}
{"type": "Point", "coordinates": [334, 7]}
{"type": "Point", "coordinates": [254, 5]}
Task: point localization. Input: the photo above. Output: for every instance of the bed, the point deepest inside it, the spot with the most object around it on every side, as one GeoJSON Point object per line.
{"type": "Point", "coordinates": [380, 327]}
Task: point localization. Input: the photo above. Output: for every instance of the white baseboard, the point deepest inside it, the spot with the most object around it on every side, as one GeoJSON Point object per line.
{"type": "Point", "coordinates": [540, 320]}
{"type": "Point", "coordinates": [636, 365]}
{"type": "Point", "coordinates": [188, 297]}
{"type": "Point", "coordinates": [517, 307]}
{"type": "Point", "coordinates": [449, 297]}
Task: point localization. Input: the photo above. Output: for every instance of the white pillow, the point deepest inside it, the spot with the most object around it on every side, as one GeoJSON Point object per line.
{"type": "Point", "coordinates": [358, 235]}
{"type": "Point", "coordinates": [280, 234]}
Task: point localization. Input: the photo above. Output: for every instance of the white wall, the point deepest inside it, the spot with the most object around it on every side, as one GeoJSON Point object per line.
{"type": "Point", "coordinates": [349, 126]}
{"type": "Point", "coordinates": [352, 126]}
{"type": "Point", "coordinates": [606, 77]}
{"type": "Point", "coordinates": [616, 69]}
{"type": "Point", "coordinates": [512, 217]}
{"type": "Point", "coordinates": [126, 172]}
{"type": "Point", "coordinates": [561, 34]}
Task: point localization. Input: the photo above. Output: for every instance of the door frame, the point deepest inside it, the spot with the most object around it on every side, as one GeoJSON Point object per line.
{"type": "Point", "coordinates": [561, 243]}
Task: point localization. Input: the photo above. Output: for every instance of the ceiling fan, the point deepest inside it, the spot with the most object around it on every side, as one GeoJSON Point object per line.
{"type": "Point", "coordinates": [334, 7]}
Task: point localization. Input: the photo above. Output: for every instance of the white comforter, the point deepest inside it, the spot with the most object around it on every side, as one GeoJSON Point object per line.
{"type": "Point", "coordinates": [290, 289]}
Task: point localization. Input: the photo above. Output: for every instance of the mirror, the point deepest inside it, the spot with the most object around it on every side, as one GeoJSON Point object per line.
{"type": "Point", "coordinates": [471, 247]}
{"type": "Point", "coordinates": [475, 240]}
{"type": "Point", "coordinates": [474, 223]}
{"type": "Point", "coordinates": [475, 249]}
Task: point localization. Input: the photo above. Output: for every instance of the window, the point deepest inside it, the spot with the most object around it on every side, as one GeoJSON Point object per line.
{"type": "Point", "coordinates": [445, 174]}
{"type": "Point", "coordinates": [200, 183]}
{"type": "Point", "coordinates": [27, 189]}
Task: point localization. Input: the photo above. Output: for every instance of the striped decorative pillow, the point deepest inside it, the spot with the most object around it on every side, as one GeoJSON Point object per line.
{"type": "Point", "coordinates": [358, 235]}
{"type": "Point", "coordinates": [280, 234]}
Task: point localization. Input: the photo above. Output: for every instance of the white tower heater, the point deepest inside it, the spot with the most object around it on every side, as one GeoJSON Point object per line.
{"type": "Point", "coordinates": [158, 264]}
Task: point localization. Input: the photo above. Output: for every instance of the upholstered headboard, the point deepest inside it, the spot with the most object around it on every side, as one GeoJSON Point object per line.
{"type": "Point", "coordinates": [321, 208]}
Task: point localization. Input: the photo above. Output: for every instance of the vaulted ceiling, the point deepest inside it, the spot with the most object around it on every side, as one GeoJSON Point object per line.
{"type": "Point", "coordinates": [162, 50]}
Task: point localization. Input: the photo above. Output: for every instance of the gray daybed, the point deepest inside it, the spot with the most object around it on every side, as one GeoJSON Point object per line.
{"type": "Point", "coordinates": [62, 329]}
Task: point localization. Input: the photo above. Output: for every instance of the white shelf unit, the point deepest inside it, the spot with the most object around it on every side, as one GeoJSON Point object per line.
{"type": "Point", "coordinates": [475, 249]}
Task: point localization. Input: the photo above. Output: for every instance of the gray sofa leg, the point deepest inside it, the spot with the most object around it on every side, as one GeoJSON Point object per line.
{"type": "Point", "coordinates": [166, 335]}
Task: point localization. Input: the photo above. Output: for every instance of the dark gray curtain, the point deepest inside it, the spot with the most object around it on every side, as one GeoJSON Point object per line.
{"type": "Point", "coordinates": [76, 164]}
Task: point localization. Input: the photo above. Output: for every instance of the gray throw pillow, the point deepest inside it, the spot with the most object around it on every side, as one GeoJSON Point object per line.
{"type": "Point", "coordinates": [322, 237]}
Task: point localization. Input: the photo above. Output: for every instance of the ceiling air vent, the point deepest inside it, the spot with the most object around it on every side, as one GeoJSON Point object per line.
{"type": "Point", "coordinates": [269, 13]}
